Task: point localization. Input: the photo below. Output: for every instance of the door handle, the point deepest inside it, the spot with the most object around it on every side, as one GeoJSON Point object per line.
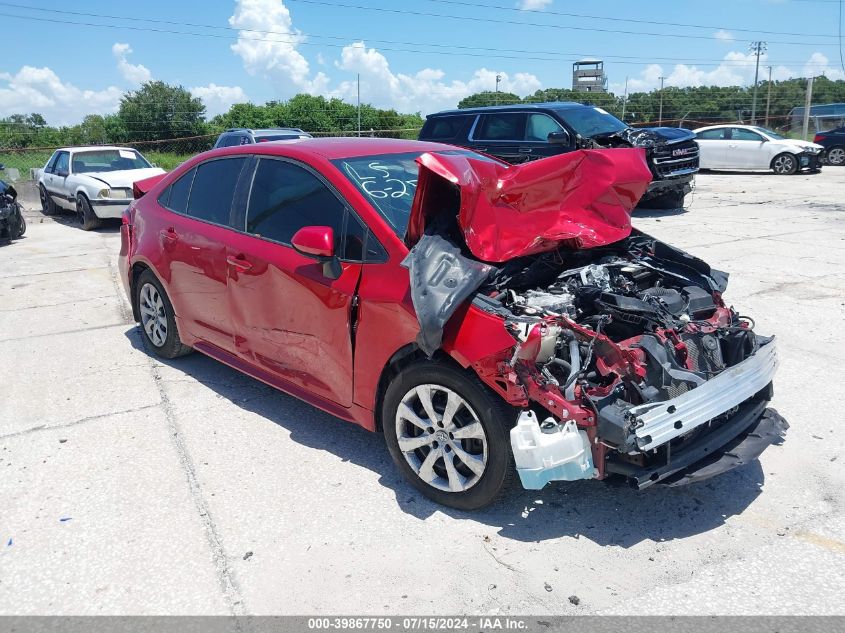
{"type": "Point", "coordinates": [525, 150]}
{"type": "Point", "coordinates": [732, 145]}
{"type": "Point", "coordinates": [239, 262]}
{"type": "Point", "coordinates": [169, 234]}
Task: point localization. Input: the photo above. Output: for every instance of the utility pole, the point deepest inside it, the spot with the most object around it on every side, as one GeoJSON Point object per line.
{"type": "Point", "coordinates": [660, 116]}
{"type": "Point", "coordinates": [769, 97]}
{"type": "Point", "coordinates": [806, 127]}
{"type": "Point", "coordinates": [625, 100]}
{"type": "Point", "coordinates": [498, 79]}
{"type": "Point", "coordinates": [359, 104]}
{"type": "Point", "coordinates": [757, 48]}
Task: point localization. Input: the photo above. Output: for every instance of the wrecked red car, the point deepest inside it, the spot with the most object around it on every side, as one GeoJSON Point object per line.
{"type": "Point", "coordinates": [489, 319]}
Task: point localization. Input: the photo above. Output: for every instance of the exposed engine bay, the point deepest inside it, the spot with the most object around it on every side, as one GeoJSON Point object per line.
{"type": "Point", "coordinates": [626, 360]}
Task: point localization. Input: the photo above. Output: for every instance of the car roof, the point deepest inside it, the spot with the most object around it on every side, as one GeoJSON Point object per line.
{"type": "Point", "coordinates": [83, 148]}
{"type": "Point", "coordinates": [334, 147]}
{"type": "Point", "coordinates": [264, 130]}
{"type": "Point", "coordinates": [548, 105]}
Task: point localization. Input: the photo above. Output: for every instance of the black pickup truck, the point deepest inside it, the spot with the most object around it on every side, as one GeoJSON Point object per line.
{"type": "Point", "coordinates": [529, 131]}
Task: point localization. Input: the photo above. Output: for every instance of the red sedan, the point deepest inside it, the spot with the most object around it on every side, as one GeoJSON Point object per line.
{"type": "Point", "coordinates": [487, 318]}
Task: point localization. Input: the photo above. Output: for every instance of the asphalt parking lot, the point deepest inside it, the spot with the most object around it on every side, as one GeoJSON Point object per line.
{"type": "Point", "coordinates": [131, 485]}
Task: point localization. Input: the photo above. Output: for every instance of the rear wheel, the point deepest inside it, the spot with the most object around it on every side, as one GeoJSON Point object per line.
{"type": "Point", "coordinates": [48, 207]}
{"type": "Point", "coordinates": [785, 164]}
{"type": "Point", "coordinates": [158, 322]}
{"type": "Point", "coordinates": [449, 435]}
{"type": "Point", "coordinates": [835, 156]}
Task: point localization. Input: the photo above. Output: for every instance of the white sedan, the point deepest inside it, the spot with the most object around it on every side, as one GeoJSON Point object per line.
{"type": "Point", "coordinates": [95, 182]}
{"type": "Point", "coordinates": [753, 147]}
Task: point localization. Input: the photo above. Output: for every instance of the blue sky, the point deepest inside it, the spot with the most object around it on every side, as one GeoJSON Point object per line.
{"type": "Point", "coordinates": [417, 55]}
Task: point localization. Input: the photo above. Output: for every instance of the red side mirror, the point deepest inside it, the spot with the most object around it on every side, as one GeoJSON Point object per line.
{"type": "Point", "coordinates": [314, 241]}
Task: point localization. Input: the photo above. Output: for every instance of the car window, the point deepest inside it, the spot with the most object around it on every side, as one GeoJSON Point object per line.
{"type": "Point", "coordinates": [741, 134]}
{"type": "Point", "coordinates": [504, 126]}
{"type": "Point", "coordinates": [540, 126]}
{"type": "Point", "coordinates": [286, 197]}
{"type": "Point", "coordinates": [717, 134]}
{"type": "Point", "coordinates": [175, 197]}
{"type": "Point", "coordinates": [359, 243]}
{"type": "Point", "coordinates": [213, 190]}
{"type": "Point", "coordinates": [48, 169]}
{"type": "Point", "coordinates": [447, 127]}
{"type": "Point", "coordinates": [62, 163]}
{"type": "Point", "coordinates": [108, 160]}
{"type": "Point", "coordinates": [591, 121]}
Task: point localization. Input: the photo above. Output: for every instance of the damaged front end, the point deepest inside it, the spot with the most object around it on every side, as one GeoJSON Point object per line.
{"type": "Point", "coordinates": [624, 359]}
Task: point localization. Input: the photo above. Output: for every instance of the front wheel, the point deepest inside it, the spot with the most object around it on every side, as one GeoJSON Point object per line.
{"type": "Point", "coordinates": [785, 164]}
{"type": "Point", "coordinates": [670, 200]}
{"type": "Point", "coordinates": [449, 435]}
{"type": "Point", "coordinates": [835, 156]}
{"type": "Point", "coordinates": [87, 218]}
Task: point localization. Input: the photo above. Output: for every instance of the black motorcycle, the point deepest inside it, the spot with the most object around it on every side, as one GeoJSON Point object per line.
{"type": "Point", "coordinates": [12, 223]}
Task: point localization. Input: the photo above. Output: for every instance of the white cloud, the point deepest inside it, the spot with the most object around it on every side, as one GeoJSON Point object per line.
{"type": "Point", "coordinates": [534, 5]}
{"type": "Point", "coordinates": [273, 55]}
{"type": "Point", "coordinates": [737, 69]}
{"type": "Point", "coordinates": [724, 36]}
{"type": "Point", "coordinates": [218, 99]}
{"type": "Point", "coordinates": [132, 73]}
{"type": "Point", "coordinates": [41, 90]}
{"type": "Point", "coordinates": [426, 90]}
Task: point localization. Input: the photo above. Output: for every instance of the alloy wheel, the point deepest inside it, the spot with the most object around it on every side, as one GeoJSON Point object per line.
{"type": "Point", "coordinates": [836, 156]}
{"type": "Point", "coordinates": [441, 438]}
{"type": "Point", "coordinates": [784, 164]}
{"type": "Point", "coordinates": [153, 314]}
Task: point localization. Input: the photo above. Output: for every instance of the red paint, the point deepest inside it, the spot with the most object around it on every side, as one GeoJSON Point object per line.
{"type": "Point", "coordinates": [314, 240]}
{"type": "Point", "coordinates": [269, 311]}
{"type": "Point", "coordinates": [581, 199]}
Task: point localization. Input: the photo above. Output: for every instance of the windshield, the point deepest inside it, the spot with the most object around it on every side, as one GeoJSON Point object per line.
{"type": "Point", "coordinates": [108, 160]}
{"type": "Point", "coordinates": [591, 121]}
{"type": "Point", "coordinates": [389, 182]}
{"type": "Point", "coordinates": [768, 132]}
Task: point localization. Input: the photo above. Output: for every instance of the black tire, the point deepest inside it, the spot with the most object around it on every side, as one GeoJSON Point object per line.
{"type": "Point", "coordinates": [87, 218]}
{"type": "Point", "coordinates": [172, 346]}
{"type": "Point", "coordinates": [48, 207]}
{"type": "Point", "coordinates": [21, 229]}
{"type": "Point", "coordinates": [835, 155]}
{"type": "Point", "coordinates": [671, 200]}
{"type": "Point", "coordinates": [494, 415]}
{"type": "Point", "coordinates": [784, 164]}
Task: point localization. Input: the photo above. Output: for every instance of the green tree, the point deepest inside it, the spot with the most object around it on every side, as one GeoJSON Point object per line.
{"type": "Point", "coordinates": [161, 111]}
{"type": "Point", "coordinates": [488, 98]}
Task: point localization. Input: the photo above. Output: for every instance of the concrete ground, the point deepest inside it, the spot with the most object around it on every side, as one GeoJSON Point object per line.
{"type": "Point", "coordinates": [132, 485]}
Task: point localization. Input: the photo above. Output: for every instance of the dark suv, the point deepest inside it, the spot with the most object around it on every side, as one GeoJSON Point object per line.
{"type": "Point", "coordinates": [246, 136]}
{"type": "Point", "coordinates": [530, 131]}
{"type": "Point", "coordinates": [833, 142]}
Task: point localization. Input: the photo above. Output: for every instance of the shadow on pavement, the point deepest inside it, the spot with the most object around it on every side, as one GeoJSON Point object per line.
{"type": "Point", "coordinates": [603, 513]}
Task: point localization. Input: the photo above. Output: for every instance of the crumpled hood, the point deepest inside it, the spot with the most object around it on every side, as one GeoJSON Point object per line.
{"type": "Point", "coordinates": [582, 199]}
{"type": "Point", "coordinates": [653, 136]}
{"type": "Point", "coordinates": [123, 178]}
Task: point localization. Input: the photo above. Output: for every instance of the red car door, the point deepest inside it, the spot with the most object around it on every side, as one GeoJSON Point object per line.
{"type": "Point", "coordinates": [193, 245]}
{"type": "Point", "coordinates": [290, 318]}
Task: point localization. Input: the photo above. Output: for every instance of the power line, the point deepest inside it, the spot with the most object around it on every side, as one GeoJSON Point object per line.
{"type": "Point", "coordinates": [631, 20]}
{"type": "Point", "coordinates": [297, 39]}
{"type": "Point", "coordinates": [517, 23]}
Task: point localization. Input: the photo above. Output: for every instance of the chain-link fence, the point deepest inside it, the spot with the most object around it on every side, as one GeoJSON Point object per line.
{"type": "Point", "coordinates": [21, 163]}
